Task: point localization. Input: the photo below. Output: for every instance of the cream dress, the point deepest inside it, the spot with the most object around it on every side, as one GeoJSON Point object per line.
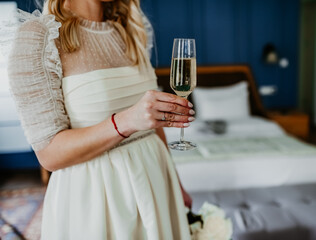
{"type": "Point", "coordinates": [128, 192]}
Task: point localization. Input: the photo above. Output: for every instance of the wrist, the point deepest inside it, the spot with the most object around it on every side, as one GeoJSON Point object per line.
{"type": "Point", "coordinates": [122, 123]}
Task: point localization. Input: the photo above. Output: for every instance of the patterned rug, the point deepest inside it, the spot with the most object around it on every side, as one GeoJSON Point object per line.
{"type": "Point", "coordinates": [21, 213]}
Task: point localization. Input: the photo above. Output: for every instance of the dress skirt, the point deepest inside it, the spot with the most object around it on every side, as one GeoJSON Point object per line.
{"type": "Point", "coordinates": [129, 192]}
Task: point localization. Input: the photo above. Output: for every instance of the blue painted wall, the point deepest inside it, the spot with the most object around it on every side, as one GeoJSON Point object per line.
{"type": "Point", "coordinates": [234, 31]}
{"type": "Point", "coordinates": [23, 160]}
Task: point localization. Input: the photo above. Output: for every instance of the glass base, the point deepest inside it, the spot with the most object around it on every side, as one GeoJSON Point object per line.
{"type": "Point", "coordinates": [181, 146]}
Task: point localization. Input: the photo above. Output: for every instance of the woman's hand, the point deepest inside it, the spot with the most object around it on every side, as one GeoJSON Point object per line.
{"type": "Point", "coordinates": [150, 110]}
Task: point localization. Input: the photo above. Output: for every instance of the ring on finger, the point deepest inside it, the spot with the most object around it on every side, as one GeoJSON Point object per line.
{"type": "Point", "coordinates": [164, 117]}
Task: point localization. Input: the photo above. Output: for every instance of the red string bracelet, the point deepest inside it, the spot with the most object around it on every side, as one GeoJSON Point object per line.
{"type": "Point", "coordinates": [116, 126]}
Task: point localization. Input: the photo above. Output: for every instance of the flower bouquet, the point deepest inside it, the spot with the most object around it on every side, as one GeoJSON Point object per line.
{"type": "Point", "coordinates": [210, 224]}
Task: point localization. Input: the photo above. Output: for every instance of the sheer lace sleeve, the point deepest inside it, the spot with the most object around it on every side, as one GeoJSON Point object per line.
{"type": "Point", "coordinates": [35, 81]}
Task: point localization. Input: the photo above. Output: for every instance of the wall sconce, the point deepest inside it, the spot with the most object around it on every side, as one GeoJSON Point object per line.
{"type": "Point", "coordinates": [271, 56]}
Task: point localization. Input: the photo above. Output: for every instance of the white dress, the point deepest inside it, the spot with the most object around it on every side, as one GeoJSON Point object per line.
{"type": "Point", "coordinates": [128, 192]}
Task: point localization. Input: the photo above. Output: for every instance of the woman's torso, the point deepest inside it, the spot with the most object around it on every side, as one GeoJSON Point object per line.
{"type": "Point", "coordinates": [99, 79]}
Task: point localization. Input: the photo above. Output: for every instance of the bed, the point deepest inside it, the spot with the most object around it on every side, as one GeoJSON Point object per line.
{"type": "Point", "coordinates": [253, 152]}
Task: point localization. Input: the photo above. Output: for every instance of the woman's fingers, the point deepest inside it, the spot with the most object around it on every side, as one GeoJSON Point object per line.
{"type": "Point", "coordinates": [173, 108]}
{"type": "Point", "coordinates": [157, 109]}
{"type": "Point", "coordinates": [173, 120]}
{"type": "Point", "coordinates": [173, 117]}
{"type": "Point", "coordinates": [168, 97]}
{"type": "Point", "coordinates": [172, 124]}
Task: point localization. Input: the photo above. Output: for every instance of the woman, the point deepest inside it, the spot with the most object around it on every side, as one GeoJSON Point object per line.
{"type": "Point", "coordinates": [70, 71]}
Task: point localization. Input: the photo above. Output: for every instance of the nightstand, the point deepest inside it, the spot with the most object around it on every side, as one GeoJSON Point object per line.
{"type": "Point", "coordinates": [293, 122]}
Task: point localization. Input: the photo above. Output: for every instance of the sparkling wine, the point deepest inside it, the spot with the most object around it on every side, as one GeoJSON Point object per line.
{"type": "Point", "coordinates": [183, 79]}
{"type": "Point", "coordinates": [183, 76]}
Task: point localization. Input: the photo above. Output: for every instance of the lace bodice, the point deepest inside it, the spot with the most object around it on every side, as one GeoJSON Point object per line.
{"type": "Point", "coordinates": [101, 47]}
{"type": "Point", "coordinates": [37, 65]}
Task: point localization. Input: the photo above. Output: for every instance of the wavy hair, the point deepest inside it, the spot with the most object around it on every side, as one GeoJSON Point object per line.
{"type": "Point", "coordinates": [125, 16]}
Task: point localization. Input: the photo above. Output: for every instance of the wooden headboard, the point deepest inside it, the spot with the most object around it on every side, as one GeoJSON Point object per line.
{"type": "Point", "coordinates": [216, 76]}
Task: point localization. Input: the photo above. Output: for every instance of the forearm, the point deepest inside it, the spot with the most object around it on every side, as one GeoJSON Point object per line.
{"type": "Point", "coordinates": [74, 146]}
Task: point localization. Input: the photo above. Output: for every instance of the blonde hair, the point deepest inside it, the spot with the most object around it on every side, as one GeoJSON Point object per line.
{"type": "Point", "coordinates": [125, 16]}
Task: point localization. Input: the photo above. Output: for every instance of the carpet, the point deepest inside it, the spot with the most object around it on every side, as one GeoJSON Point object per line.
{"type": "Point", "coordinates": [21, 213]}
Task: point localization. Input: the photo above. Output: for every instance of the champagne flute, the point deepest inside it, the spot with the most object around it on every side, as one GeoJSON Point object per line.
{"type": "Point", "coordinates": [183, 79]}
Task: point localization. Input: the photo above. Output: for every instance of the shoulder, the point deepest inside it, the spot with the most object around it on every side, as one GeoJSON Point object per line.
{"type": "Point", "coordinates": [39, 27]}
{"type": "Point", "coordinates": [33, 26]}
{"type": "Point", "coordinates": [37, 32]}
{"type": "Point", "coordinates": [34, 49]}
{"type": "Point", "coordinates": [26, 29]}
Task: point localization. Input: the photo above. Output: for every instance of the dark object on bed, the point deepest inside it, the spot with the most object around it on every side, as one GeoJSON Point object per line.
{"type": "Point", "coordinates": [219, 76]}
{"type": "Point", "coordinates": [217, 126]}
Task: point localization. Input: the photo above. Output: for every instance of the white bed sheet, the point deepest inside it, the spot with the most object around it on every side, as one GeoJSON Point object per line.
{"type": "Point", "coordinates": [252, 126]}
{"type": "Point", "coordinates": [200, 170]}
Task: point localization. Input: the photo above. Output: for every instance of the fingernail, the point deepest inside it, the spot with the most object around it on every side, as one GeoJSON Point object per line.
{"type": "Point", "coordinates": [191, 112]}
{"type": "Point", "coordinates": [190, 104]}
{"type": "Point", "coordinates": [191, 119]}
{"type": "Point", "coordinates": [186, 124]}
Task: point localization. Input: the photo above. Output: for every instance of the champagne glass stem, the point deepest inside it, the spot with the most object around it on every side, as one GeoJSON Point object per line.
{"type": "Point", "coordinates": [182, 135]}
{"type": "Point", "coordinates": [182, 131]}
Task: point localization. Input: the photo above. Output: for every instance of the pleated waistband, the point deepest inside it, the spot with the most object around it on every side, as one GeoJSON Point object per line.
{"type": "Point", "coordinates": [127, 141]}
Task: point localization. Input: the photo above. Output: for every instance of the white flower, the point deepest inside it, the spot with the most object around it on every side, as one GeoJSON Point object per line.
{"type": "Point", "coordinates": [215, 227]}
{"type": "Point", "coordinates": [208, 209]}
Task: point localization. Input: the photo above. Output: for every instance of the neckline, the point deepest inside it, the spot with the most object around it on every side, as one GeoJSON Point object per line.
{"type": "Point", "coordinates": [95, 26]}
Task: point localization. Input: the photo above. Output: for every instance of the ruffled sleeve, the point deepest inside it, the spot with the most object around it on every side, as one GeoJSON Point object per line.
{"type": "Point", "coordinates": [35, 75]}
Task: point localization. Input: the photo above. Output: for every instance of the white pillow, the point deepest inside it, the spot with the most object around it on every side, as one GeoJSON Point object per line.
{"type": "Point", "coordinates": [222, 103]}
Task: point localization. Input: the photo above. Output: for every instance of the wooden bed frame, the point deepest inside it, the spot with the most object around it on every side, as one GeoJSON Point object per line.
{"type": "Point", "coordinates": [210, 76]}
{"type": "Point", "coordinates": [222, 75]}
